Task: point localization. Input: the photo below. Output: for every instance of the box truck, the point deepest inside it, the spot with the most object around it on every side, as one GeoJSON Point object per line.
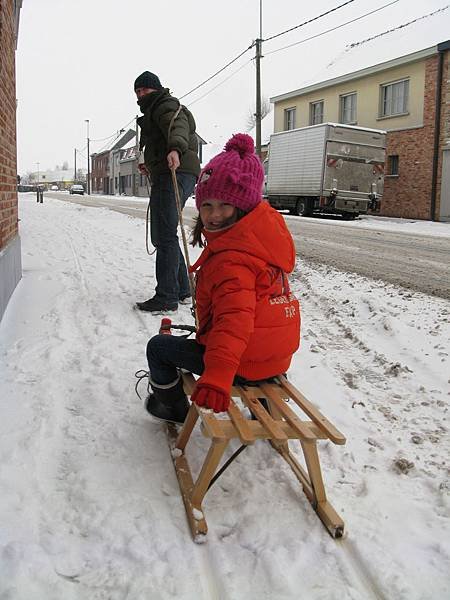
{"type": "Point", "coordinates": [329, 168]}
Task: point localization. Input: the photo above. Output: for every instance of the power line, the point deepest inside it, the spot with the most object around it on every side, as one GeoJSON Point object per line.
{"type": "Point", "coordinates": [105, 138]}
{"type": "Point", "coordinates": [217, 72]}
{"type": "Point", "coordinates": [309, 21]}
{"type": "Point", "coordinates": [398, 27]}
{"type": "Point", "coordinates": [332, 28]}
{"type": "Point", "coordinates": [219, 84]}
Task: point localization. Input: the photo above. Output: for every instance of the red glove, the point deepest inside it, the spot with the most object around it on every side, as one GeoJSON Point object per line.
{"type": "Point", "coordinates": [211, 397]}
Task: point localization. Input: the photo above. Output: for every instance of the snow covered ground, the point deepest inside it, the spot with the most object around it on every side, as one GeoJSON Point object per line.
{"type": "Point", "coordinates": [89, 501]}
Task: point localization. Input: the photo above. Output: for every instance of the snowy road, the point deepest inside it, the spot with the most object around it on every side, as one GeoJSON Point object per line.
{"type": "Point", "coordinates": [89, 500]}
{"type": "Point", "coordinates": [415, 261]}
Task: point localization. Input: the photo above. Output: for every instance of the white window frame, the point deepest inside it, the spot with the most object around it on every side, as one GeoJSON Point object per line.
{"type": "Point", "coordinates": [347, 114]}
{"type": "Point", "coordinates": [394, 98]}
{"type": "Point", "coordinates": [289, 118]}
{"type": "Point", "coordinates": [313, 120]}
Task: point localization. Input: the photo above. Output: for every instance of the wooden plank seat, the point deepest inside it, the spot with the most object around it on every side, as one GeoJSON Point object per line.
{"type": "Point", "coordinates": [277, 423]}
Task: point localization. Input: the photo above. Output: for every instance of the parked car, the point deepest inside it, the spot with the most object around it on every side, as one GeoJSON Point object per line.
{"type": "Point", "coordinates": [76, 189]}
{"type": "Point", "coordinates": [54, 188]}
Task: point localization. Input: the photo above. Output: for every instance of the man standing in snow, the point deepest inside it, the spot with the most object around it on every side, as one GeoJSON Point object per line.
{"type": "Point", "coordinates": [169, 142]}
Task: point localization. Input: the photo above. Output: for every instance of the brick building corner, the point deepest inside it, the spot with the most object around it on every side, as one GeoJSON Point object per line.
{"type": "Point", "coordinates": [10, 254]}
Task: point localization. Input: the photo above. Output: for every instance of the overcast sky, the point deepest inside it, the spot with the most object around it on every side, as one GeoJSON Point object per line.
{"type": "Point", "coordinates": [77, 60]}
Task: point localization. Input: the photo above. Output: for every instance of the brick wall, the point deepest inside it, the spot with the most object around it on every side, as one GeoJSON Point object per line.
{"type": "Point", "coordinates": [8, 168]}
{"type": "Point", "coordinates": [409, 194]}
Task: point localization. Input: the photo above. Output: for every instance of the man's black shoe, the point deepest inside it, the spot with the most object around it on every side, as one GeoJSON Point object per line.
{"type": "Point", "coordinates": [156, 305]}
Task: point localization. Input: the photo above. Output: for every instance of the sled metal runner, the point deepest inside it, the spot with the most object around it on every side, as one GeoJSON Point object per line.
{"type": "Point", "coordinates": [278, 424]}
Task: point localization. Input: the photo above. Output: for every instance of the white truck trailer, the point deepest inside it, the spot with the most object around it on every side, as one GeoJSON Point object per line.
{"type": "Point", "coordinates": [328, 168]}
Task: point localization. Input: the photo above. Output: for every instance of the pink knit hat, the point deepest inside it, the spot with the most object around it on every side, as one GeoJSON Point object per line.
{"type": "Point", "coordinates": [235, 175]}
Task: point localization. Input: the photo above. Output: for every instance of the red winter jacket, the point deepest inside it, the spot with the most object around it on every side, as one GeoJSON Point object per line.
{"type": "Point", "coordinates": [249, 322]}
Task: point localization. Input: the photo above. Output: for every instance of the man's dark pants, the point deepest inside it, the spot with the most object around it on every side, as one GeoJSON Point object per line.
{"type": "Point", "coordinates": [171, 273]}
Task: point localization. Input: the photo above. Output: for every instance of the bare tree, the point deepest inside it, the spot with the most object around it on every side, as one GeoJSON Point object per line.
{"type": "Point", "coordinates": [65, 166]}
{"type": "Point", "coordinates": [81, 176]}
{"type": "Point", "coordinates": [251, 116]}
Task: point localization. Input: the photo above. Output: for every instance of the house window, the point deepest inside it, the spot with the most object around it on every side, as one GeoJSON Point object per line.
{"type": "Point", "coordinates": [394, 98]}
{"type": "Point", "coordinates": [316, 113]}
{"type": "Point", "coordinates": [393, 164]}
{"type": "Point", "coordinates": [289, 119]}
{"type": "Point", "coordinates": [347, 108]}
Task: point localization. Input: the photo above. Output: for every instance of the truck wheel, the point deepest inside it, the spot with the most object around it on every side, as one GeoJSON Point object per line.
{"type": "Point", "coordinates": [302, 208]}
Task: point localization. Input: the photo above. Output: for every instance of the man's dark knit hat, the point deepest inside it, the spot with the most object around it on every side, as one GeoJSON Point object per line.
{"type": "Point", "coordinates": [148, 80]}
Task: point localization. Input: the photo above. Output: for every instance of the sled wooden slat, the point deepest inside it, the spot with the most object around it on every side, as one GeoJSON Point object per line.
{"type": "Point", "coordinates": [277, 425]}
{"type": "Point", "coordinates": [273, 428]}
{"type": "Point", "coordinates": [272, 394]}
{"type": "Point", "coordinates": [322, 422]}
{"type": "Point", "coordinates": [188, 383]}
{"type": "Point", "coordinates": [241, 424]}
{"type": "Point", "coordinates": [259, 432]}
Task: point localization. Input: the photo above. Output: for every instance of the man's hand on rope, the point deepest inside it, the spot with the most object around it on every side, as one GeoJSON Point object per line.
{"type": "Point", "coordinates": [143, 169]}
{"type": "Point", "coordinates": [211, 397]}
{"type": "Point", "coordinates": [173, 159]}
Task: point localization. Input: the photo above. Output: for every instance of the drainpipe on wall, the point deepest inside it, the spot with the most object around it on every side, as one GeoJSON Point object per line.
{"type": "Point", "coordinates": [441, 48]}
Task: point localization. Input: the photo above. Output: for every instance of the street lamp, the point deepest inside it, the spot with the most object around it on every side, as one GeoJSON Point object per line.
{"type": "Point", "coordinates": [88, 160]}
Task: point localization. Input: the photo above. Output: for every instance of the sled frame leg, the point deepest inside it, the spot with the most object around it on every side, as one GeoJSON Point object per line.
{"type": "Point", "coordinates": [194, 492]}
{"type": "Point", "coordinates": [313, 487]}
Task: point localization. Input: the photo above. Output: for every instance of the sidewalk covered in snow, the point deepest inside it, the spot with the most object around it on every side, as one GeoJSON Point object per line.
{"type": "Point", "coordinates": [89, 501]}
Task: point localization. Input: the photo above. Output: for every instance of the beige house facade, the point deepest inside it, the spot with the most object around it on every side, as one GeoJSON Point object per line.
{"type": "Point", "coordinates": [409, 97]}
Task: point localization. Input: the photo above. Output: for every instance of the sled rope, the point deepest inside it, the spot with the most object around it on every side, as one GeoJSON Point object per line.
{"type": "Point", "coordinates": [147, 218]}
{"type": "Point", "coordinates": [226, 464]}
{"type": "Point", "coordinates": [185, 245]}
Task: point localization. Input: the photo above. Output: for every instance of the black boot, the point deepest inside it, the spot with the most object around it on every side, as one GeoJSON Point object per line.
{"type": "Point", "coordinates": [168, 403]}
{"type": "Point", "coordinates": [157, 305]}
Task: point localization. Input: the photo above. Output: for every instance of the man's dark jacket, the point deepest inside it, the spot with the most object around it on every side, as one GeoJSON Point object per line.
{"type": "Point", "coordinates": [161, 133]}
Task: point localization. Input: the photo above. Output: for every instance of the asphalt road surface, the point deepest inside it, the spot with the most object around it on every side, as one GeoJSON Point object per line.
{"type": "Point", "coordinates": [417, 262]}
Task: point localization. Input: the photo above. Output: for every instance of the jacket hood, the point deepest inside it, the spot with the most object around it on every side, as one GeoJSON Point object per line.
{"type": "Point", "coordinates": [261, 233]}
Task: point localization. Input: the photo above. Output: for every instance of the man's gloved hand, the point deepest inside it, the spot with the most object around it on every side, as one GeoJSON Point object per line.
{"type": "Point", "coordinates": [211, 397]}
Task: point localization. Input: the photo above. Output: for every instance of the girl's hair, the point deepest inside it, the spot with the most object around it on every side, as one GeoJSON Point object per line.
{"type": "Point", "coordinates": [196, 234]}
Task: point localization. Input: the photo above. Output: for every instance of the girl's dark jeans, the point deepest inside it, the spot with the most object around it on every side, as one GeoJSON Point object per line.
{"type": "Point", "coordinates": [168, 353]}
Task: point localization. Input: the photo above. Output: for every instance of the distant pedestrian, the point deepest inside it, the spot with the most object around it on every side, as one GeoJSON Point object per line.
{"type": "Point", "coordinates": [169, 141]}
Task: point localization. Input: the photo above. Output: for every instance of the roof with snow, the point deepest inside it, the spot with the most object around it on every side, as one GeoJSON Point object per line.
{"type": "Point", "coordinates": [117, 142]}
{"type": "Point", "coordinates": [404, 43]}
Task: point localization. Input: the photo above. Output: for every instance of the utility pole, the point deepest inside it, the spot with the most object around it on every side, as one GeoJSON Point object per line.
{"type": "Point", "coordinates": [75, 169]}
{"type": "Point", "coordinates": [258, 57]}
{"type": "Point", "coordinates": [88, 160]}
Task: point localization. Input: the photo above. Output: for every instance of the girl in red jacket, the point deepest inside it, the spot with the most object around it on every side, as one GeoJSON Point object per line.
{"type": "Point", "coordinates": [249, 322]}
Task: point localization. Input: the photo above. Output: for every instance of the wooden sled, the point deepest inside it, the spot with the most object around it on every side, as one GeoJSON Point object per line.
{"type": "Point", "coordinates": [278, 424]}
